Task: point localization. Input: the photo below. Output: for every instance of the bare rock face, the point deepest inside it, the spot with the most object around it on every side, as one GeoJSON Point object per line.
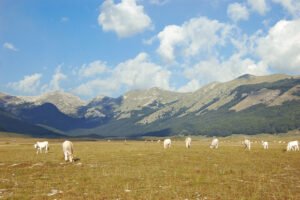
{"type": "Point", "coordinates": [263, 96]}
{"type": "Point", "coordinates": [154, 98]}
{"type": "Point", "coordinates": [66, 103]}
{"type": "Point", "coordinates": [287, 96]}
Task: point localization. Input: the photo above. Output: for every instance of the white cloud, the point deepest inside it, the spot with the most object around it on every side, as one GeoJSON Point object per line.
{"type": "Point", "coordinates": [171, 35]}
{"type": "Point", "coordinates": [190, 86]}
{"type": "Point", "coordinates": [57, 78]}
{"type": "Point", "coordinates": [149, 41]}
{"type": "Point", "coordinates": [140, 73]}
{"type": "Point", "coordinates": [259, 6]}
{"type": "Point", "coordinates": [280, 49]}
{"type": "Point", "coordinates": [198, 35]}
{"type": "Point", "coordinates": [292, 6]}
{"type": "Point", "coordinates": [28, 85]}
{"type": "Point", "coordinates": [216, 70]}
{"type": "Point", "coordinates": [159, 2]}
{"type": "Point", "coordinates": [95, 68]}
{"type": "Point", "coordinates": [237, 12]}
{"type": "Point", "coordinates": [137, 73]}
{"type": "Point", "coordinates": [10, 46]}
{"type": "Point", "coordinates": [98, 86]}
{"type": "Point", "coordinates": [125, 18]}
{"type": "Point", "coordinates": [55, 81]}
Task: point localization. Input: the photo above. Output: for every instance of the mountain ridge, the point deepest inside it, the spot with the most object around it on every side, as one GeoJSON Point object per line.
{"type": "Point", "coordinates": [160, 112]}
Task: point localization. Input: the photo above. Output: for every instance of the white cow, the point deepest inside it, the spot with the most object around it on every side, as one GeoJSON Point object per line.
{"type": "Point", "coordinates": [265, 145]}
{"type": "Point", "coordinates": [167, 143]}
{"type": "Point", "coordinates": [158, 141]}
{"type": "Point", "coordinates": [214, 143]}
{"type": "Point", "coordinates": [41, 145]}
{"type": "Point", "coordinates": [293, 145]}
{"type": "Point", "coordinates": [188, 141]}
{"type": "Point", "coordinates": [68, 150]}
{"type": "Point", "coordinates": [247, 144]}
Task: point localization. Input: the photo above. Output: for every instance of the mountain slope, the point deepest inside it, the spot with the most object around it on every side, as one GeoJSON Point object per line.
{"type": "Point", "coordinates": [249, 104]}
{"type": "Point", "coordinates": [11, 124]}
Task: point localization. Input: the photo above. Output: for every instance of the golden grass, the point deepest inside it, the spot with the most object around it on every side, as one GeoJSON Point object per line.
{"type": "Point", "coordinates": [139, 170]}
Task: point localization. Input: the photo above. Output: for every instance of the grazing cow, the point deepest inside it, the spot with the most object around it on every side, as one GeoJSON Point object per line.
{"type": "Point", "coordinates": [247, 144]}
{"type": "Point", "coordinates": [41, 145]}
{"type": "Point", "coordinates": [167, 143]}
{"type": "Point", "coordinates": [158, 141]}
{"type": "Point", "coordinates": [265, 145]}
{"type": "Point", "coordinates": [188, 141]}
{"type": "Point", "coordinates": [214, 143]}
{"type": "Point", "coordinates": [293, 145]}
{"type": "Point", "coordinates": [68, 150]}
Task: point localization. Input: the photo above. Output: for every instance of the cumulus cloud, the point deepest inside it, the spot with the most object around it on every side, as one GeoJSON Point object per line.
{"type": "Point", "coordinates": [140, 73]}
{"type": "Point", "coordinates": [95, 68]}
{"type": "Point", "coordinates": [55, 81]}
{"type": "Point", "coordinates": [292, 6]}
{"type": "Point", "coordinates": [57, 78]}
{"type": "Point", "coordinates": [198, 35]}
{"type": "Point", "coordinates": [137, 73]}
{"type": "Point", "coordinates": [28, 85]}
{"type": "Point", "coordinates": [259, 6]}
{"type": "Point", "coordinates": [97, 86]}
{"type": "Point", "coordinates": [280, 48]}
{"type": "Point", "coordinates": [125, 18]}
{"type": "Point", "coordinates": [10, 46]}
{"type": "Point", "coordinates": [171, 35]}
{"type": "Point", "coordinates": [215, 70]}
{"type": "Point", "coordinates": [237, 12]}
{"type": "Point", "coordinates": [190, 86]}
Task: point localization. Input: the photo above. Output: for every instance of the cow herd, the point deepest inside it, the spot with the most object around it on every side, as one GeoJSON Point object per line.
{"type": "Point", "coordinates": [68, 146]}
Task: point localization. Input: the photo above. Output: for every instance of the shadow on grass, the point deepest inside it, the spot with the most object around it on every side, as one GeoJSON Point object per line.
{"type": "Point", "coordinates": [76, 159]}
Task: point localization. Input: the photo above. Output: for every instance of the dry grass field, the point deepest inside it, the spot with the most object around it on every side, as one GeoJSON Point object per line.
{"type": "Point", "coordinates": [144, 170]}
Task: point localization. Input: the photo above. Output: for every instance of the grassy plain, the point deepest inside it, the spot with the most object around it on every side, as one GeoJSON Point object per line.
{"type": "Point", "coordinates": [144, 170]}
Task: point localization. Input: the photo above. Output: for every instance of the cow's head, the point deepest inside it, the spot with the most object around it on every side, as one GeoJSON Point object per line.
{"type": "Point", "coordinates": [71, 157]}
{"type": "Point", "coordinates": [35, 146]}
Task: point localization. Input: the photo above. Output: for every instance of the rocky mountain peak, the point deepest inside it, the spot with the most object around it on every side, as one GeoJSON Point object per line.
{"type": "Point", "coordinates": [246, 76]}
{"type": "Point", "coordinates": [65, 102]}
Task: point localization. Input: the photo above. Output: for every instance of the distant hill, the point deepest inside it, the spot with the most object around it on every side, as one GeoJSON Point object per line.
{"type": "Point", "coordinates": [246, 105]}
{"type": "Point", "coordinates": [9, 123]}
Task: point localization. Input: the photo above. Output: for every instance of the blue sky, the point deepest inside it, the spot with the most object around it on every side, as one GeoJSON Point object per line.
{"type": "Point", "coordinates": [92, 47]}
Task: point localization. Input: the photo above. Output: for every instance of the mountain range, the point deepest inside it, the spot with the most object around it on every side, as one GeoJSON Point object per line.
{"type": "Point", "coordinates": [248, 105]}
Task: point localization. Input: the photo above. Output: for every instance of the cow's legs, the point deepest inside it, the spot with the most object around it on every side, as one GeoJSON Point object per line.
{"type": "Point", "coordinates": [66, 156]}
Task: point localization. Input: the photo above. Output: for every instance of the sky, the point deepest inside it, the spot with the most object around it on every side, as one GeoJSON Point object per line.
{"type": "Point", "coordinates": [109, 47]}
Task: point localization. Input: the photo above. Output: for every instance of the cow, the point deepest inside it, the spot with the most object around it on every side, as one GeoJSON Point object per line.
{"type": "Point", "coordinates": [41, 145]}
{"type": "Point", "coordinates": [188, 141]}
{"type": "Point", "coordinates": [247, 144]}
{"type": "Point", "coordinates": [68, 150]}
{"type": "Point", "coordinates": [293, 145]}
{"type": "Point", "coordinates": [214, 143]}
{"type": "Point", "coordinates": [265, 145]}
{"type": "Point", "coordinates": [167, 143]}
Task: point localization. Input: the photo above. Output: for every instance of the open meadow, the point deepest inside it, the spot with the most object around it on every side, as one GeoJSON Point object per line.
{"type": "Point", "coordinates": [144, 170]}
